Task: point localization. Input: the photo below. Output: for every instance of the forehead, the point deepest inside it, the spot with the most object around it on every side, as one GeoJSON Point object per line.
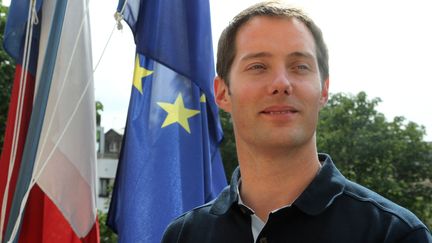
{"type": "Point", "coordinates": [274, 34]}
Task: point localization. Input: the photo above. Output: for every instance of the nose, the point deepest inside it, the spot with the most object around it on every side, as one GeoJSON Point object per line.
{"type": "Point", "coordinates": [280, 84]}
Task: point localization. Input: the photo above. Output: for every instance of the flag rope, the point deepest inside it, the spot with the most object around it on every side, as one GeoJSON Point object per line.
{"type": "Point", "coordinates": [31, 20]}
{"type": "Point", "coordinates": [123, 7]}
{"type": "Point", "coordinates": [105, 47]}
{"type": "Point", "coordinates": [119, 16]}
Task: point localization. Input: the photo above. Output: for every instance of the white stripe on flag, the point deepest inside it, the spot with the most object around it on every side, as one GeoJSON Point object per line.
{"type": "Point", "coordinates": [66, 160]}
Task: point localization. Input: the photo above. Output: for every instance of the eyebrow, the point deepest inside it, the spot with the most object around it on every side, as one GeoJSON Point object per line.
{"type": "Point", "coordinates": [267, 54]}
{"type": "Point", "coordinates": [255, 55]}
{"type": "Point", "coordinates": [301, 54]}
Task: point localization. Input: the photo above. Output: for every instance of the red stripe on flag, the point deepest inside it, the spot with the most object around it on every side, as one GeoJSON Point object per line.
{"type": "Point", "coordinates": [5, 158]}
{"type": "Point", "coordinates": [43, 222]}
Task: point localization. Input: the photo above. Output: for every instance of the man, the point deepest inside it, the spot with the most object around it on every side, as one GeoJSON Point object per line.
{"type": "Point", "coordinates": [273, 78]}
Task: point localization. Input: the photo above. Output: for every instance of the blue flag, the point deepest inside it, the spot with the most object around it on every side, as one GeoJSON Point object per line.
{"type": "Point", "coordinates": [169, 161]}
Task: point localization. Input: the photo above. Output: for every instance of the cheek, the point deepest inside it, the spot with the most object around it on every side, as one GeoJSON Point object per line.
{"type": "Point", "coordinates": [309, 92]}
{"type": "Point", "coordinates": [240, 97]}
{"type": "Point", "coordinates": [248, 90]}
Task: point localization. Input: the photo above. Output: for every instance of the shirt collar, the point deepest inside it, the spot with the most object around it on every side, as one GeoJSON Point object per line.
{"type": "Point", "coordinates": [240, 201]}
{"type": "Point", "coordinates": [228, 197]}
{"type": "Point", "coordinates": [324, 188]}
{"type": "Point", "coordinates": [320, 194]}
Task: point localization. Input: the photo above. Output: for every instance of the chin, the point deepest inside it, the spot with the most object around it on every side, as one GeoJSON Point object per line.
{"type": "Point", "coordinates": [292, 140]}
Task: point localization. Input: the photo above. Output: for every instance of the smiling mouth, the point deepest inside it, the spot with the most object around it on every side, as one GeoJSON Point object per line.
{"type": "Point", "coordinates": [279, 112]}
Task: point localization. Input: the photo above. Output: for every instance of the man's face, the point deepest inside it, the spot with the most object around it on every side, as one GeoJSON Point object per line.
{"type": "Point", "coordinates": [275, 91]}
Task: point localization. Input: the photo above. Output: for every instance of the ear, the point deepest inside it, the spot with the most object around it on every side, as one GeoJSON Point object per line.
{"type": "Point", "coordinates": [222, 96]}
{"type": "Point", "coordinates": [324, 93]}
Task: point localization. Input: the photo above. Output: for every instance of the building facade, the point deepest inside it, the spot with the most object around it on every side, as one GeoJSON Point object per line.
{"type": "Point", "coordinates": [109, 145]}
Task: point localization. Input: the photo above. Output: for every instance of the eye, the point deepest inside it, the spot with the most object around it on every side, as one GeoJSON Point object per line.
{"type": "Point", "coordinates": [256, 67]}
{"type": "Point", "coordinates": [301, 68]}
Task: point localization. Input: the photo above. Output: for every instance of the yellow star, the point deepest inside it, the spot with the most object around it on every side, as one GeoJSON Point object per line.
{"type": "Point", "coordinates": [177, 113]}
{"type": "Point", "coordinates": [139, 73]}
{"type": "Point", "coordinates": [203, 98]}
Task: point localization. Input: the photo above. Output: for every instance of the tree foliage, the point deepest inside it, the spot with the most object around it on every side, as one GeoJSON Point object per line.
{"type": "Point", "coordinates": [228, 147]}
{"type": "Point", "coordinates": [389, 157]}
{"type": "Point", "coordinates": [99, 109]}
{"type": "Point", "coordinates": [106, 234]}
{"type": "Point", "coordinates": [7, 68]}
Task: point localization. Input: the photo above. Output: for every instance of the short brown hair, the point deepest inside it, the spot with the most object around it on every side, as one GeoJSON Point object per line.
{"type": "Point", "coordinates": [227, 48]}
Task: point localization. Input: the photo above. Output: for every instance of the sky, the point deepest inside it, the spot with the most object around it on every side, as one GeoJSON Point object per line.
{"type": "Point", "coordinates": [381, 47]}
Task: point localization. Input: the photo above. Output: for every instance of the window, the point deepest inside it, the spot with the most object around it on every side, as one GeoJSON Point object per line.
{"type": "Point", "coordinates": [104, 187]}
{"type": "Point", "coordinates": [113, 147]}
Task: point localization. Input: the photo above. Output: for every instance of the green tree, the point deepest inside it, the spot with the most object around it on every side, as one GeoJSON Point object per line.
{"type": "Point", "coordinates": [7, 68]}
{"type": "Point", "coordinates": [390, 157]}
{"type": "Point", "coordinates": [228, 147]}
{"type": "Point", "coordinates": [99, 109]}
{"type": "Point", "coordinates": [106, 234]}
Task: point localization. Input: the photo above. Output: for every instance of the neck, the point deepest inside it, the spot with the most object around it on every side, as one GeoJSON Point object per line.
{"type": "Point", "coordinates": [274, 180]}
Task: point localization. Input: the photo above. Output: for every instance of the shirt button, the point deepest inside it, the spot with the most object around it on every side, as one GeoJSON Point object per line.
{"type": "Point", "coordinates": [263, 240]}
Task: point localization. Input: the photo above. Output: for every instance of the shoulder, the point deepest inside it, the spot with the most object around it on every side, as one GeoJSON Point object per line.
{"type": "Point", "coordinates": [362, 209]}
{"type": "Point", "coordinates": [384, 214]}
{"type": "Point", "coordinates": [196, 218]}
{"type": "Point", "coordinates": [378, 203]}
{"type": "Point", "coordinates": [196, 223]}
{"type": "Point", "coordinates": [220, 220]}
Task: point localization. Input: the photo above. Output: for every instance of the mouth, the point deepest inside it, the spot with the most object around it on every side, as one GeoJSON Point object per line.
{"type": "Point", "coordinates": [279, 110]}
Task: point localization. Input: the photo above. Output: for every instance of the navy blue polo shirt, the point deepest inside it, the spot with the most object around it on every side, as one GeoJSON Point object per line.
{"type": "Point", "coordinates": [331, 209]}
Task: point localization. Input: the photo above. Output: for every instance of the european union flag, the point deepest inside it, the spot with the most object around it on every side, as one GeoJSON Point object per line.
{"type": "Point", "coordinates": [169, 161]}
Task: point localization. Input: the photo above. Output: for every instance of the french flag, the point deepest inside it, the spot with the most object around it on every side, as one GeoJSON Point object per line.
{"type": "Point", "coordinates": [48, 161]}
